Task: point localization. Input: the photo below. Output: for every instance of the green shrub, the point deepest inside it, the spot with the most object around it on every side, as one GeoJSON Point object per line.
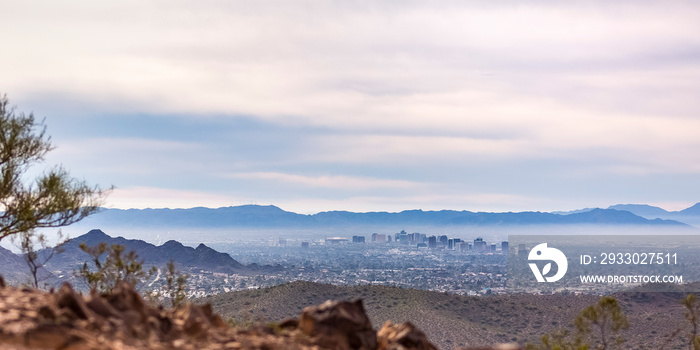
{"type": "Point", "coordinates": [114, 269]}
{"type": "Point", "coordinates": [175, 285]}
{"type": "Point", "coordinates": [599, 323]}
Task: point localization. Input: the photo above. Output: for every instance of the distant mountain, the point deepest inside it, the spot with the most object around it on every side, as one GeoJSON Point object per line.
{"type": "Point", "coordinates": [254, 216]}
{"type": "Point", "coordinates": [61, 266]}
{"type": "Point", "coordinates": [575, 211]}
{"type": "Point", "coordinates": [694, 210]}
{"type": "Point", "coordinates": [689, 215]}
{"type": "Point", "coordinates": [246, 215]}
{"type": "Point", "coordinates": [643, 210]}
{"type": "Point", "coordinates": [13, 267]}
{"type": "Point", "coordinates": [612, 216]}
{"type": "Point", "coordinates": [201, 257]}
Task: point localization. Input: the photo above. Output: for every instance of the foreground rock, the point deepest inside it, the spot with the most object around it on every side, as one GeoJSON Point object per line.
{"type": "Point", "coordinates": [31, 319]}
{"type": "Point", "coordinates": [341, 325]}
{"type": "Point", "coordinates": [403, 336]}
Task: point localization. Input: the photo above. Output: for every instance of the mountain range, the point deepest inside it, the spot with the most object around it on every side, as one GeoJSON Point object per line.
{"type": "Point", "coordinates": [201, 257]}
{"type": "Point", "coordinates": [13, 268]}
{"type": "Point", "coordinates": [256, 216]}
{"type": "Point", "coordinates": [61, 266]}
{"type": "Point", "coordinates": [656, 212]}
{"type": "Point", "coordinates": [690, 215]}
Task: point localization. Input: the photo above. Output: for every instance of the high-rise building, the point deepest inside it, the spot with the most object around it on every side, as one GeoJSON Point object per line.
{"type": "Point", "coordinates": [378, 238]}
{"type": "Point", "coordinates": [462, 246]}
{"type": "Point", "coordinates": [398, 236]}
{"type": "Point", "coordinates": [479, 244]}
{"type": "Point", "coordinates": [358, 239]}
{"type": "Point", "coordinates": [305, 245]}
{"type": "Point", "coordinates": [504, 247]}
{"type": "Point", "coordinates": [432, 242]}
{"type": "Point", "coordinates": [443, 239]}
{"type": "Point", "coordinates": [493, 247]}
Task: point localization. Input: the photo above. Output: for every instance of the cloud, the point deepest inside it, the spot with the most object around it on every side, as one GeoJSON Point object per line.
{"type": "Point", "coordinates": [128, 155]}
{"type": "Point", "coordinates": [409, 149]}
{"type": "Point", "coordinates": [330, 181]}
{"type": "Point", "coordinates": [315, 61]}
{"type": "Point", "coordinates": [373, 95]}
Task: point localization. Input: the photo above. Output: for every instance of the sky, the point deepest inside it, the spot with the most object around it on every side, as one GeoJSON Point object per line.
{"type": "Point", "coordinates": [365, 105]}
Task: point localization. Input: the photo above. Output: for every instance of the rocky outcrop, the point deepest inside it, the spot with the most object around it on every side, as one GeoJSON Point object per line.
{"type": "Point", "coordinates": [403, 336]}
{"type": "Point", "coordinates": [31, 319]}
{"type": "Point", "coordinates": [339, 325]}
{"type": "Point", "coordinates": [65, 319]}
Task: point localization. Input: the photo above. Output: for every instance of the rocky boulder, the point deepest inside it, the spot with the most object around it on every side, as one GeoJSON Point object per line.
{"type": "Point", "coordinates": [339, 325]}
{"type": "Point", "coordinates": [31, 319]}
{"type": "Point", "coordinates": [402, 337]}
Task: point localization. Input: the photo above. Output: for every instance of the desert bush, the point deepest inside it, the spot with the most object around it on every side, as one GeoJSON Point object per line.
{"type": "Point", "coordinates": [175, 285]}
{"type": "Point", "coordinates": [598, 324]}
{"type": "Point", "coordinates": [692, 314]}
{"type": "Point", "coordinates": [114, 269]}
{"type": "Point", "coordinates": [28, 242]}
{"type": "Point", "coordinates": [174, 289]}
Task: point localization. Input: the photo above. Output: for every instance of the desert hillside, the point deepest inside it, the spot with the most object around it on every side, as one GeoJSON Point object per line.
{"type": "Point", "coordinates": [451, 321]}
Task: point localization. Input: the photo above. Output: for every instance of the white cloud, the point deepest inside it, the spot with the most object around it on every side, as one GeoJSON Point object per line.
{"type": "Point", "coordinates": [339, 182]}
{"type": "Point", "coordinates": [612, 86]}
{"type": "Point", "coordinates": [313, 60]}
{"type": "Point", "coordinates": [406, 149]}
{"type": "Point", "coordinates": [103, 145]}
{"type": "Point", "coordinates": [120, 156]}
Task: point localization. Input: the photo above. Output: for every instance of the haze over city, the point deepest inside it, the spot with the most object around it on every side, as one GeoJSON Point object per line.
{"type": "Point", "coordinates": [365, 106]}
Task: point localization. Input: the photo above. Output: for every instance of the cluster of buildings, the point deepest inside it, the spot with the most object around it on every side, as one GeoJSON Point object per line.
{"type": "Point", "coordinates": [421, 240]}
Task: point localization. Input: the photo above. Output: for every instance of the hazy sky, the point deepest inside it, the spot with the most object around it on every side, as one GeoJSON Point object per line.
{"type": "Point", "coordinates": [365, 105]}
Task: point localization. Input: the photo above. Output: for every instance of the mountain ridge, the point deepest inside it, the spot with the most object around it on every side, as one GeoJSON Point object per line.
{"type": "Point", "coordinates": [201, 257]}
{"type": "Point", "coordinates": [690, 215]}
{"type": "Point", "coordinates": [270, 216]}
{"type": "Point", "coordinates": [61, 266]}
